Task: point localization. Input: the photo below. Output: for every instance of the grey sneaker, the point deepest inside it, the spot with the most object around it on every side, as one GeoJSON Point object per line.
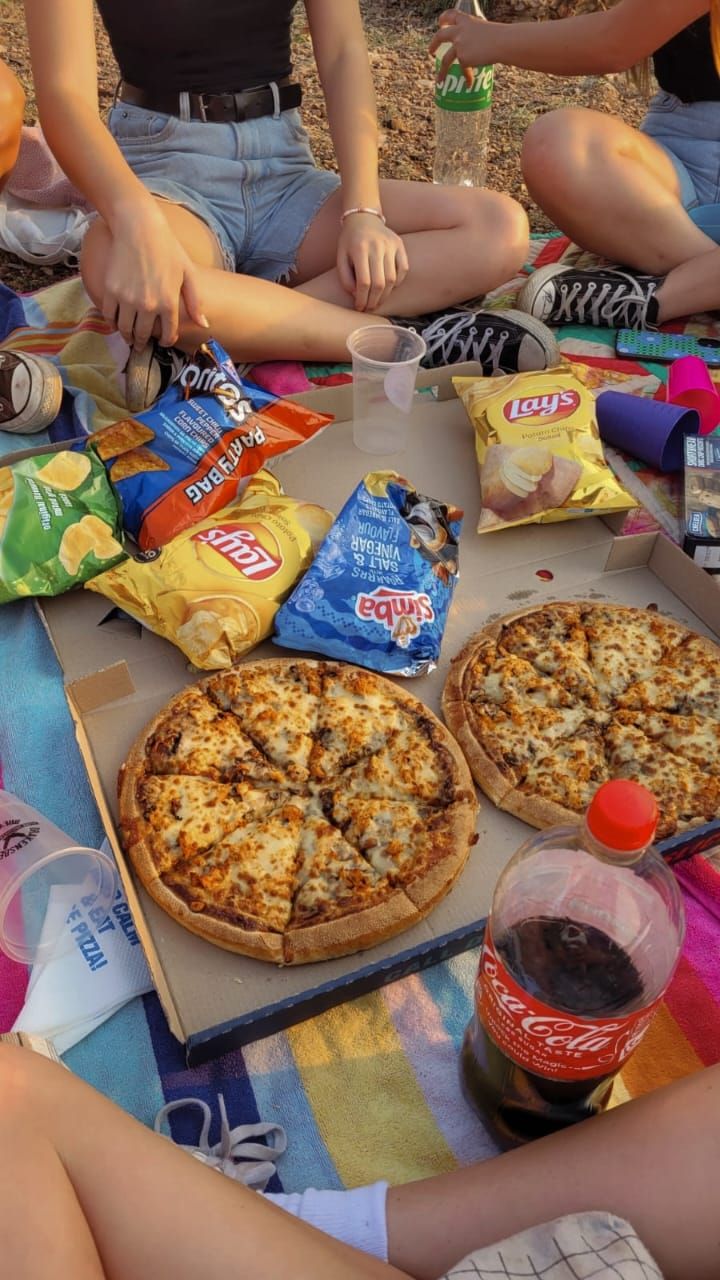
{"type": "Point", "coordinates": [30, 392]}
{"type": "Point", "coordinates": [149, 372]}
{"type": "Point", "coordinates": [500, 341]}
{"type": "Point", "coordinates": [608, 297]}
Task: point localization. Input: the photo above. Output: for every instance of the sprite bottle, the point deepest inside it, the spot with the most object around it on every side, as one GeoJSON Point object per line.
{"type": "Point", "coordinates": [462, 118]}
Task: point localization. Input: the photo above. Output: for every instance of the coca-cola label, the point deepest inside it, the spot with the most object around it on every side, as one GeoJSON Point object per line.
{"type": "Point", "coordinates": [539, 410]}
{"type": "Point", "coordinates": [546, 1041]}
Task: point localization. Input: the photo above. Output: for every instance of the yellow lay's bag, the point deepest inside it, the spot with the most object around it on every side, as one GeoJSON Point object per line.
{"type": "Point", "coordinates": [538, 448]}
{"type": "Point", "coordinates": [214, 589]}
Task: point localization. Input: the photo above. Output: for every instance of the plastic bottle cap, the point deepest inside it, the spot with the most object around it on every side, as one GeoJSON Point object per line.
{"type": "Point", "coordinates": [623, 815]}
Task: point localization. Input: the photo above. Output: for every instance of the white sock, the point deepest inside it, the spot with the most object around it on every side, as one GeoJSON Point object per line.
{"type": "Point", "coordinates": [356, 1217]}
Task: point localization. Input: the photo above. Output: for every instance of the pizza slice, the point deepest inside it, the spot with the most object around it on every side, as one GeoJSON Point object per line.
{"type": "Point", "coordinates": [554, 641]}
{"type": "Point", "coordinates": [358, 711]}
{"type": "Point", "coordinates": [510, 681]}
{"type": "Point", "coordinates": [184, 816]}
{"type": "Point", "coordinates": [416, 764]}
{"type": "Point", "coordinates": [686, 684]}
{"type": "Point", "coordinates": [694, 737]}
{"type": "Point", "coordinates": [626, 645]}
{"type": "Point", "coordinates": [332, 876]}
{"type": "Point", "coordinates": [558, 786]}
{"type": "Point", "coordinates": [277, 705]}
{"type": "Point", "coordinates": [248, 877]}
{"type": "Point", "coordinates": [685, 793]}
{"type": "Point", "coordinates": [502, 744]}
{"type": "Point", "coordinates": [196, 737]}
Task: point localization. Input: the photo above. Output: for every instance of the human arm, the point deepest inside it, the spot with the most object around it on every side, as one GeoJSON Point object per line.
{"type": "Point", "coordinates": [148, 272]}
{"type": "Point", "coordinates": [590, 44]}
{"type": "Point", "coordinates": [371, 258]}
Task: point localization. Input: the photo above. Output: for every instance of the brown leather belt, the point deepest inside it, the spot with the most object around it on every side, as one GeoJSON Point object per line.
{"type": "Point", "coordinates": [216, 108]}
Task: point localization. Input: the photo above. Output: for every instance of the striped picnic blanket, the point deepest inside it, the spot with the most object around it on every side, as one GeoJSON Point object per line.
{"type": "Point", "coordinates": [370, 1089]}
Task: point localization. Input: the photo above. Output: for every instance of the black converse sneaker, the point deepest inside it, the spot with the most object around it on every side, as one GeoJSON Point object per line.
{"type": "Point", "coordinates": [605, 296]}
{"type": "Point", "coordinates": [149, 372]}
{"type": "Point", "coordinates": [501, 341]}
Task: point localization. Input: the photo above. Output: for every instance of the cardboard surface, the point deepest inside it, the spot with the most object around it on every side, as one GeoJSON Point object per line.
{"type": "Point", "coordinates": [119, 675]}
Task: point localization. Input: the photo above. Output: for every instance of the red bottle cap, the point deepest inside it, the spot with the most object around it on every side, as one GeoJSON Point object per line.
{"type": "Point", "coordinates": [623, 816]}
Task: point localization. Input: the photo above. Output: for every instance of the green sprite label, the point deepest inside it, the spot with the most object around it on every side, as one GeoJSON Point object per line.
{"type": "Point", "coordinates": [454, 95]}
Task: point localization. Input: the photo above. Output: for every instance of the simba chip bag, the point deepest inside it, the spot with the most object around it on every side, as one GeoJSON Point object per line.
{"type": "Point", "coordinates": [193, 451]}
{"type": "Point", "coordinates": [538, 449]}
{"type": "Point", "coordinates": [215, 589]}
{"type": "Point", "coordinates": [380, 589]}
{"type": "Point", "coordinates": [59, 524]}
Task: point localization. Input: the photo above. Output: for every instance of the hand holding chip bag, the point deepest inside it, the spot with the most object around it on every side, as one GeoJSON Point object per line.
{"type": "Point", "coordinates": [215, 589]}
{"type": "Point", "coordinates": [59, 524]}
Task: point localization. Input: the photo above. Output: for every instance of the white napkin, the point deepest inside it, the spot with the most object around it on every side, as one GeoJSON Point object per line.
{"type": "Point", "coordinates": [73, 993]}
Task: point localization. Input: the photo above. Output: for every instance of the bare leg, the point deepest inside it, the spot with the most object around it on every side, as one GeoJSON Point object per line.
{"type": "Point", "coordinates": [475, 241]}
{"type": "Point", "coordinates": [88, 1193]}
{"type": "Point", "coordinates": [692, 287]}
{"type": "Point", "coordinates": [461, 244]}
{"type": "Point", "coordinates": [654, 1162]}
{"type": "Point", "coordinates": [12, 106]}
{"type": "Point", "coordinates": [612, 189]}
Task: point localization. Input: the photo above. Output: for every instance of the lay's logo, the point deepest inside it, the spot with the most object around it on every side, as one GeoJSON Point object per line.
{"type": "Point", "coordinates": [240, 545]}
{"type": "Point", "coordinates": [540, 410]}
{"type": "Point", "coordinates": [390, 607]}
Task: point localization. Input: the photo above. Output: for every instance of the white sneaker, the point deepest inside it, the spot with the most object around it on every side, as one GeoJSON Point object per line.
{"type": "Point", "coordinates": [250, 1162]}
{"type": "Point", "coordinates": [30, 392]}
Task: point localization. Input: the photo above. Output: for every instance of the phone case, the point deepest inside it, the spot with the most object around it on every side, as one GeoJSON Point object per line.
{"type": "Point", "coordinates": [665, 347]}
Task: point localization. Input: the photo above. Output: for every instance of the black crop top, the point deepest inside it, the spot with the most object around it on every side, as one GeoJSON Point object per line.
{"type": "Point", "coordinates": [204, 46]}
{"type": "Point", "coordinates": [684, 66]}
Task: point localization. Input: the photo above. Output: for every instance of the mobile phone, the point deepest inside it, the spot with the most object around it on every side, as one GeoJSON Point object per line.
{"type": "Point", "coordinates": [648, 344]}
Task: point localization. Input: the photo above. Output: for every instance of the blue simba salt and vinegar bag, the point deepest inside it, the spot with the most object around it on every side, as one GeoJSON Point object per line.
{"type": "Point", "coordinates": [379, 591]}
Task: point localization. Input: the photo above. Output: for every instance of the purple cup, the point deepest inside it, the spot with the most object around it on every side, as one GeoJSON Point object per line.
{"type": "Point", "coordinates": [650, 430]}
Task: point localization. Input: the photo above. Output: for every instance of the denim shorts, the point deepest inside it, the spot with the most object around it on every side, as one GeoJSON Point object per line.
{"type": "Point", "coordinates": [690, 134]}
{"type": "Point", "coordinates": [254, 184]}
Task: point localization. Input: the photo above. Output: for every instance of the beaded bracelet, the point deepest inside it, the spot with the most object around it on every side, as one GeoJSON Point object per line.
{"type": "Point", "coordinates": [363, 209]}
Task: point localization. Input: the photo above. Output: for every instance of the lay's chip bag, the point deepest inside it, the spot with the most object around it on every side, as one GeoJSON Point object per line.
{"type": "Point", "coordinates": [380, 589]}
{"type": "Point", "coordinates": [194, 450]}
{"type": "Point", "coordinates": [59, 524]}
{"type": "Point", "coordinates": [214, 589]}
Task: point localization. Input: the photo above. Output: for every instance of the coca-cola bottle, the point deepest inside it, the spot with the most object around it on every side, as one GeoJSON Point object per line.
{"type": "Point", "coordinates": [583, 937]}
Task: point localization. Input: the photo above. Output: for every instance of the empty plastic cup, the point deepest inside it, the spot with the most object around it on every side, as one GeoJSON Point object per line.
{"type": "Point", "coordinates": [43, 876]}
{"type": "Point", "coordinates": [385, 362]}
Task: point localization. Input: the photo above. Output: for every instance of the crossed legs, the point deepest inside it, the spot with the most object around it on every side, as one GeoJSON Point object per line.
{"type": "Point", "coordinates": [460, 244]}
{"type": "Point", "coordinates": [614, 191]}
{"type": "Point", "coordinates": [89, 1191]}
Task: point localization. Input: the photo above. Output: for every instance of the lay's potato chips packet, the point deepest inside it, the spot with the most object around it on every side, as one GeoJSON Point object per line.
{"type": "Point", "coordinates": [538, 448]}
{"type": "Point", "coordinates": [194, 450]}
{"type": "Point", "coordinates": [215, 589]}
{"type": "Point", "coordinates": [59, 524]}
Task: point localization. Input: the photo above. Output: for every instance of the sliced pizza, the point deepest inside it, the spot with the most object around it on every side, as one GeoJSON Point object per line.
{"type": "Point", "coordinates": [554, 641]}
{"type": "Point", "coordinates": [198, 738]}
{"type": "Point", "coordinates": [277, 703]}
{"type": "Point", "coordinates": [357, 715]}
{"type": "Point", "coordinates": [626, 645]}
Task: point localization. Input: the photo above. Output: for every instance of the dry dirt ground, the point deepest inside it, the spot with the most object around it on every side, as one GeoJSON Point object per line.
{"type": "Point", "coordinates": [398, 32]}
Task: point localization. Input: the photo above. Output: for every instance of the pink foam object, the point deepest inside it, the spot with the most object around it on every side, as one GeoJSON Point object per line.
{"type": "Point", "coordinates": [280, 377]}
{"type": "Point", "coordinates": [690, 385]}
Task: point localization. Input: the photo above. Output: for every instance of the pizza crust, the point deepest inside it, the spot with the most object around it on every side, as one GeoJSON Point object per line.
{"type": "Point", "coordinates": [403, 906]}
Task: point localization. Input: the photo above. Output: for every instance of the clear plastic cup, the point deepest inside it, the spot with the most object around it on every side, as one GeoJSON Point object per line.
{"type": "Point", "coordinates": [43, 875]}
{"type": "Point", "coordinates": [385, 362]}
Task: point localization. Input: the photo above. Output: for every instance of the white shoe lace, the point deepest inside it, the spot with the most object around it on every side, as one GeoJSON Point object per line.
{"type": "Point", "coordinates": [250, 1162]}
{"type": "Point", "coordinates": [611, 303]}
{"type": "Point", "coordinates": [456, 339]}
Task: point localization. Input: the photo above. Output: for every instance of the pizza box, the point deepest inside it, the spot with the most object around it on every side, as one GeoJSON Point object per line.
{"type": "Point", "coordinates": [118, 676]}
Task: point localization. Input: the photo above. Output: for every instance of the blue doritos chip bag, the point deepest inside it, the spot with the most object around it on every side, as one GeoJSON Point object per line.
{"type": "Point", "coordinates": [194, 450]}
{"type": "Point", "coordinates": [380, 589]}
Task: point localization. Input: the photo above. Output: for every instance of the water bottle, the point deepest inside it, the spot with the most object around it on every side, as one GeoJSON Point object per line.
{"type": "Point", "coordinates": [583, 937]}
{"type": "Point", "coordinates": [462, 118]}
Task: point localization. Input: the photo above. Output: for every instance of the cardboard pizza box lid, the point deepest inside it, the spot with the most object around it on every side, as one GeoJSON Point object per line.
{"type": "Point", "coordinates": [118, 676]}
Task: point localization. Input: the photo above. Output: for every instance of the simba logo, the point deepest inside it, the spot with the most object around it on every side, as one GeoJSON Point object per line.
{"type": "Point", "coordinates": [15, 836]}
{"type": "Point", "coordinates": [387, 607]}
{"type": "Point", "coordinates": [215, 382]}
{"type": "Point", "coordinates": [240, 546]}
{"type": "Point", "coordinates": [554, 405]}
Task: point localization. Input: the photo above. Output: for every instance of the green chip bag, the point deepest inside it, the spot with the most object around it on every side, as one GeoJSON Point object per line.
{"type": "Point", "coordinates": [59, 524]}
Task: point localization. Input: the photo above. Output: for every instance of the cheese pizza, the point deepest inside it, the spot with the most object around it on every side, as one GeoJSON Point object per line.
{"type": "Point", "coordinates": [549, 703]}
{"type": "Point", "coordinates": [296, 810]}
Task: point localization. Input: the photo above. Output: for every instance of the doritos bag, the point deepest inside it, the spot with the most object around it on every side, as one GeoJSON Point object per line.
{"type": "Point", "coordinates": [194, 450]}
{"type": "Point", "coordinates": [59, 524]}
